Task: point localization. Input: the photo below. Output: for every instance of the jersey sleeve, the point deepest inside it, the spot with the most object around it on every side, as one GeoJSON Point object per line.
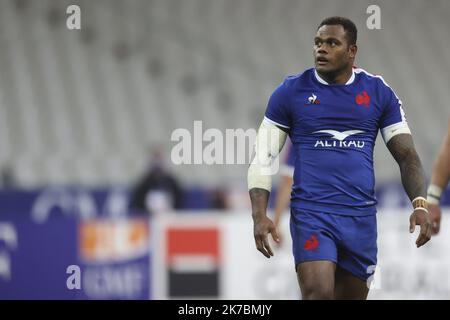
{"type": "Point", "coordinates": [278, 109]}
{"type": "Point", "coordinates": [393, 119]}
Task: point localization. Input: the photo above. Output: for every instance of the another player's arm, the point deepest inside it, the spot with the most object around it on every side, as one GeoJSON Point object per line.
{"type": "Point", "coordinates": [402, 149]}
{"type": "Point", "coordinates": [439, 181]}
{"type": "Point", "coordinates": [441, 169]}
{"type": "Point", "coordinates": [269, 142]}
{"type": "Point", "coordinates": [282, 200]}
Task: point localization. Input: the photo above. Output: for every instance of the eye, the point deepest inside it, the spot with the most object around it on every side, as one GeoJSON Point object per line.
{"type": "Point", "coordinates": [317, 42]}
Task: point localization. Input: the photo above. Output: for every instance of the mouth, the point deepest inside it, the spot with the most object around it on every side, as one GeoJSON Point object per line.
{"type": "Point", "coordinates": [321, 61]}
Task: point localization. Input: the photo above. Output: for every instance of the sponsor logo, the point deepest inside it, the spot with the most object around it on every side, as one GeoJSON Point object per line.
{"type": "Point", "coordinates": [193, 262]}
{"type": "Point", "coordinates": [340, 139]}
{"type": "Point", "coordinates": [313, 99]}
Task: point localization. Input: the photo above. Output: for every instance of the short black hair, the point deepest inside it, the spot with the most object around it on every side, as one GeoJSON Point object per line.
{"type": "Point", "coordinates": [347, 24]}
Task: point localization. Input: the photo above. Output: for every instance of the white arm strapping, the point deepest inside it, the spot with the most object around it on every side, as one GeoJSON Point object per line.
{"type": "Point", "coordinates": [269, 142]}
{"type": "Point", "coordinates": [391, 131]}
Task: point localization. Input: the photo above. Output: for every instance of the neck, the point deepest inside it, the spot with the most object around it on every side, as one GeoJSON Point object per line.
{"type": "Point", "coordinates": [337, 78]}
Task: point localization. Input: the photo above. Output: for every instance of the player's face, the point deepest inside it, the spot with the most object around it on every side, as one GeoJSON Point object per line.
{"type": "Point", "coordinates": [332, 53]}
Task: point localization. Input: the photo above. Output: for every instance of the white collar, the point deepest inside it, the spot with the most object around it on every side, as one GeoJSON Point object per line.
{"type": "Point", "coordinates": [352, 78]}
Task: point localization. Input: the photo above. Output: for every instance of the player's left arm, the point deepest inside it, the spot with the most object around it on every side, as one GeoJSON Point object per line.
{"type": "Point", "coordinates": [402, 149]}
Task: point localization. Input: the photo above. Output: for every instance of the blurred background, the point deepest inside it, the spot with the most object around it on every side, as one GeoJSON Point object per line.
{"type": "Point", "coordinates": [86, 124]}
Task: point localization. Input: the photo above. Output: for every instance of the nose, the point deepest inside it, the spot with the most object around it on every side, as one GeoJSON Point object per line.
{"type": "Point", "coordinates": [321, 50]}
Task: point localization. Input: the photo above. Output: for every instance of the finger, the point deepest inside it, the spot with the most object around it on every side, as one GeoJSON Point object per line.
{"type": "Point", "coordinates": [429, 231]}
{"type": "Point", "coordinates": [424, 235]}
{"type": "Point", "coordinates": [267, 246]}
{"type": "Point", "coordinates": [433, 222]}
{"type": "Point", "coordinates": [275, 235]}
{"type": "Point", "coordinates": [420, 240]}
{"type": "Point", "coordinates": [438, 224]}
{"type": "Point", "coordinates": [264, 252]}
{"type": "Point", "coordinates": [259, 246]}
{"type": "Point", "coordinates": [280, 239]}
{"type": "Point", "coordinates": [412, 223]}
{"type": "Point", "coordinates": [435, 226]}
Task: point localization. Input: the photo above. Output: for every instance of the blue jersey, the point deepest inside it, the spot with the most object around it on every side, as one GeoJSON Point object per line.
{"type": "Point", "coordinates": [333, 129]}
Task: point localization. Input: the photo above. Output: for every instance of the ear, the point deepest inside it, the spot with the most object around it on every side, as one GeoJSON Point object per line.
{"type": "Point", "coordinates": [353, 48]}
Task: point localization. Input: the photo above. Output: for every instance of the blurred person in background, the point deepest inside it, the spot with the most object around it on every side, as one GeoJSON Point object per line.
{"type": "Point", "coordinates": [7, 177]}
{"type": "Point", "coordinates": [284, 189]}
{"type": "Point", "coordinates": [333, 113]}
{"type": "Point", "coordinates": [439, 181]}
{"type": "Point", "coordinates": [158, 190]}
{"type": "Point", "coordinates": [219, 199]}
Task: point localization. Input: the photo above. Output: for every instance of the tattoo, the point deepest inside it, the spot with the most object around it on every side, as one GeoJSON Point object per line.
{"type": "Point", "coordinates": [413, 177]}
{"type": "Point", "coordinates": [259, 198]}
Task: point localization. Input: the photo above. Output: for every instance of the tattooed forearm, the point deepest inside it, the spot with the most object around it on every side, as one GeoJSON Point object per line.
{"type": "Point", "coordinates": [412, 173]}
{"type": "Point", "coordinates": [260, 199]}
{"type": "Point", "coordinates": [413, 177]}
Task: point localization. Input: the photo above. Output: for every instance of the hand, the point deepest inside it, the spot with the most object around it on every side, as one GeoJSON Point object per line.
{"type": "Point", "coordinates": [435, 216]}
{"type": "Point", "coordinates": [422, 218]}
{"type": "Point", "coordinates": [261, 228]}
{"type": "Point", "coordinates": [279, 233]}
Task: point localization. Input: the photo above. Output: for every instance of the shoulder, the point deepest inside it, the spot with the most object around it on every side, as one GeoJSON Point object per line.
{"type": "Point", "coordinates": [372, 79]}
{"type": "Point", "coordinates": [294, 81]}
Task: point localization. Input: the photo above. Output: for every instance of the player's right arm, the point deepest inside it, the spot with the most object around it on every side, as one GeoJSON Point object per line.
{"type": "Point", "coordinates": [439, 181]}
{"type": "Point", "coordinates": [269, 142]}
